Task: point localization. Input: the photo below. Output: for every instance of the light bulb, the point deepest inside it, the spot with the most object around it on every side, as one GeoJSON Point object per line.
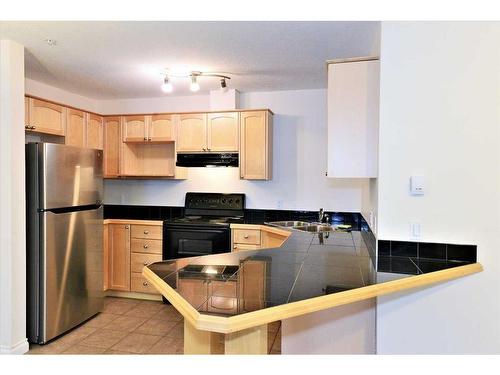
{"type": "Point", "coordinates": [194, 85]}
{"type": "Point", "coordinates": [167, 86]}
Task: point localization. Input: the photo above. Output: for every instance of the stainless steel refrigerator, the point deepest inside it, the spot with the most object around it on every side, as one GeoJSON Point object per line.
{"type": "Point", "coordinates": [64, 189]}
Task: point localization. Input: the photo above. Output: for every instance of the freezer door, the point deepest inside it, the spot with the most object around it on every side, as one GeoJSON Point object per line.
{"type": "Point", "coordinates": [72, 269]}
{"type": "Point", "coordinates": [71, 176]}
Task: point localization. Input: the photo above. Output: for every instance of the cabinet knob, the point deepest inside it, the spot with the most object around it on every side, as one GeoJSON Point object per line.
{"type": "Point", "coordinates": [145, 283]}
{"type": "Point", "coordinates": [146, 263]}
{"type": "Point", "coordinates": [245, 236]}
{"type": "Point", "coordinates": [145, 246]}
{"type": "Point", "coordinates": [204, 149]}
{"type": "Point", "coordinates": [146, 232]}
{"type": "Point", "coordinates": [235, 247]}
{"type": "Point", "coordinates": [150, 139]}
{"type": "Point", "coordinates": [145, 138]}
{"type": "Point", "coordinates": [126, 226]}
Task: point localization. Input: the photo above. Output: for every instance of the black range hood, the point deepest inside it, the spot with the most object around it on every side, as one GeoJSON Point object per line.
{"type": "Point", "coordinates": [207, 160]}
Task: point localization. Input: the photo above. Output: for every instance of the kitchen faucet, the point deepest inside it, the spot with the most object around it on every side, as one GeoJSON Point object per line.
{"type": "Point", "coordinates": [322, 216]}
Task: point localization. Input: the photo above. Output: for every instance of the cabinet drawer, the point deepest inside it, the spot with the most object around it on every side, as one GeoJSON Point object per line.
{"type": "Point", "coordinates": [246, 236]}
{"type": "Point", "coordinates": [138, 261]}
{"type": "Point", "coordinates": [241, 247]}
{"type": "Point", "coordinates": [147, 231]}
{"type": "Point", "coordinates": [139, 284]}
{"type": "Point", "coordinates": [141, 245]}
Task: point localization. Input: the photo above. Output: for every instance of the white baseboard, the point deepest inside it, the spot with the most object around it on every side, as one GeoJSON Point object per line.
{"type": "Point", "coordinates": [20, 348]}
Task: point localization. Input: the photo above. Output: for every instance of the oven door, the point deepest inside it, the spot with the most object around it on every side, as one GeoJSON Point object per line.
{"type": "Point", "coordinates": [182, 241]}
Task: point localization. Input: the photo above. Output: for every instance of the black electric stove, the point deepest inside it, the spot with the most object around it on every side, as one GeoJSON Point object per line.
{"type": "Point", "coordinates": [205, 228]}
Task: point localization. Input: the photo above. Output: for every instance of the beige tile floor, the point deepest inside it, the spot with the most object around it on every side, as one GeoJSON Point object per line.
{"type": "Point", "coordinates": [128, 326]}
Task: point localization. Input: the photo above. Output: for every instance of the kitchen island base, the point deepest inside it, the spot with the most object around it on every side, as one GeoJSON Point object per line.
{"type": "Point", "coordinates": [248, 341]}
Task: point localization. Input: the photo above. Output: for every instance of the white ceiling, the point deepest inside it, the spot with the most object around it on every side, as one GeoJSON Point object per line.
{"type": "Point", "coordinates": [107, 60]}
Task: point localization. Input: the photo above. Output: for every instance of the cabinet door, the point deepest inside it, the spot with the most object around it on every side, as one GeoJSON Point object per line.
{"type": "Point", "coordinates": [47, 117]}
{"type": "Point", "coordinates": [222, 297]}
{"type": "Point", "coordinates": [27, 113]}
{"type": "Point", "coordinates": [134, 129]}
{"type": "Point", "coordinates": [119, 257]}
{"type": "Point", "coordinates": [255, 145]}
{"type": "Point", "coordinates": [223, 131]}
{"type": "Point", "coordinates": [194, 291]}
{"type": "Point", "coordinates": [75, 128]}
{"type": "Point", "coordinates": [94, 132]}
{"type": "Point", "coordinates": [353, 113]}
{"type": "Point", "coordinates": [112, 143]}
{"type": "Point", "coordinates": [105, 260]}
{"type": "Point", "coordinates": [252, 279]}
{"type": "Point", "coordinates": [162, 128]}
{"type": "Point", "coordinates": [192, 132]}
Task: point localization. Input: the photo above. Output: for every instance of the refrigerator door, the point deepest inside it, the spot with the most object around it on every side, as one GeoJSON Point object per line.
{"type": "Point", "coordinates": [70, 176]}
{"type": "Point", "coordinates": [71, 269]}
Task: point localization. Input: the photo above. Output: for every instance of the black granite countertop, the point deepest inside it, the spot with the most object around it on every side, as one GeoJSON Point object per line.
{"type": "Point", "coordinates": [307, 265]}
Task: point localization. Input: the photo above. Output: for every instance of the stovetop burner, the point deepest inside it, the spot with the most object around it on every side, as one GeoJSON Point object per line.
{"type": "Point", "coordinates": [216, 220]}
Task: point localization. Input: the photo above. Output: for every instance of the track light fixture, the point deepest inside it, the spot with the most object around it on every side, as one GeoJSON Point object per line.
{"type": "Point", "coordinates": [223, 84]}
{"type": "Point", "coordinates": [167, 86]}
{"type": "Point", "coordinates": [195, 86]}
{"type": "Point", "coordinates": [194, 77]}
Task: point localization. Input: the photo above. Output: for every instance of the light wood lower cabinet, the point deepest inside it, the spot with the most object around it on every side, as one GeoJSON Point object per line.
{"type": "Point", "coordinates": [128, 248]}
{"type": "Point", "coordinates": [254, 237]}
{"type": "Point", "coordinates": [210, 295]}
{"type": "Point", "coordinates": [119, 257]}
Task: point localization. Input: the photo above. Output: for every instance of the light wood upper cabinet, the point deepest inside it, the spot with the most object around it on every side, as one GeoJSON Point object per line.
{"type": "Point", "coordinates": [95, 131]}
{"type": "Point", "coordinates": [111, 150]}
{"type": "Point", "coordinates": [161, 128]}
{"type": "Point", "coordinates": [353, 113]}
{"type": "Point", "coordinates": [256, 129]}
{"type": "Point", "coordinates": [119, 257]}
{"type": "Point", "coordinates": [26, 113]}
{"type": "Point", "coordinates": [192, 132]}
{"type": "Point", "coordinates": [223, 132]}
{"type": "Point", "coordinates": [75, 128]}
{"type": "Point", "coordinates": [45, 117]}
{"type": "Point", "coordinates": [135, 128]}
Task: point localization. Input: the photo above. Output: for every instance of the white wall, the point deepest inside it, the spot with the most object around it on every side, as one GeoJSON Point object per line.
{"type": "Point", "coordinates": [55, 94]}
{"type": "Point", "coordinates": [12, 201]}
{"type": "Point", "coordinates": [299, 163]}
{"type": "Point", "coordinates": [440, 117]}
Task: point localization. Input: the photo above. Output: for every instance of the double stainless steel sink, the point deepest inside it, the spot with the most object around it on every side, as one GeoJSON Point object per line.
{"type": "Point", "coordinates": [304, 226]}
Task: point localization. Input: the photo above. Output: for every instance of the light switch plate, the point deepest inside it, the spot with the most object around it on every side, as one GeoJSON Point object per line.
{"type": "Point", "coordinates": [417, 185]}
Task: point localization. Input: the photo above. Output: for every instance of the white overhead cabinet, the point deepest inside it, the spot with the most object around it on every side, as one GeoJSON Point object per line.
{"type": "Point", "coordinates": [353, 112]}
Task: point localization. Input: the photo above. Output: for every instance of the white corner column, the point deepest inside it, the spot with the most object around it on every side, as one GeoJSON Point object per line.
{"type": "Point", "coordinates": [12, 201]}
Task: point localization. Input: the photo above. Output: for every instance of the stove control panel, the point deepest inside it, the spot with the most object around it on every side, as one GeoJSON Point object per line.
{"type": "Point", "coordinates": [215, 201]}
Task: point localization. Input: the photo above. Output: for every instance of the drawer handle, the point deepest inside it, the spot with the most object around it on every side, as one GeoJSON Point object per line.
{"type": "Point", "coordinates": [145, 283]}
{"type": "Point", "coordinates": [145, 246]}
{"type": "Point", "coordinates": [245, 236]}
{"type": "Point", "coordinates": [146, 232]}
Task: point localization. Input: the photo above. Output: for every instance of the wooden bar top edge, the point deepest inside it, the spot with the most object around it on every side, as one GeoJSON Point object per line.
{"type": "Point", "coordinates": [289, 310]}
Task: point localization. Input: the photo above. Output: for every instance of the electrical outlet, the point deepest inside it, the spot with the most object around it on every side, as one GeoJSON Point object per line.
{"type": "Point", "coordinates": [279, 204]}
{"type": "Point", "coordinates": [415, 231]}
